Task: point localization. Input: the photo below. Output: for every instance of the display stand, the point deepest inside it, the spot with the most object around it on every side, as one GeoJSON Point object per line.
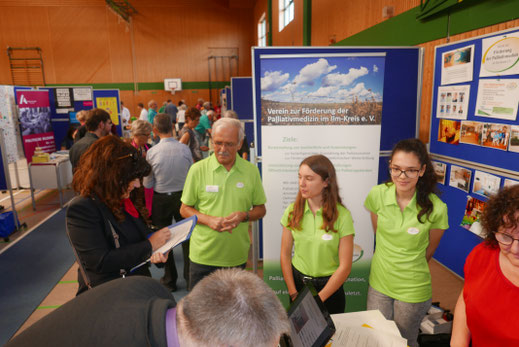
{"type": "Point", "coordinates": [8, 181]}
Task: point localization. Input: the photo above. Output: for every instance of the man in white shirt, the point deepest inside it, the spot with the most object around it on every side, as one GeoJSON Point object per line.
{"type": "Point", "coordinates": [144, 112]}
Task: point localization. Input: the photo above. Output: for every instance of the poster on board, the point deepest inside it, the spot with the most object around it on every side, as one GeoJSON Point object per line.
{"type": "Point", "coordinates": [485, 184]}
{"type": "Point", "coordinates": [109, 104]}
{"type": "Point", "coordinates": [328, 104]}
{"type": "Point", "coordinates": [7, 122]}
{"type": "Point", "coordinates": [64, 101]}
{"type": "Point", "coordinates": [471, 132]}
{"type": "Point", "coordinates": [458, 65]}
{"type": "Point", "coordinates": [500, 55]}
{"type": "Point", "coordinates": [498, 98]}
{"type": "Point", "coordinates": [453, 102]}
{"type": "Point", "coordinates": [35, 121]}
{"type": "Point", "coordinates": [473, 211]}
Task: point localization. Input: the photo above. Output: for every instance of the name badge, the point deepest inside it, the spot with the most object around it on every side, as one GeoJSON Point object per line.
{"type": "Point", "coordinates": [240, 185]}
{"type": "Point", "coordinates": [413, 231]}
{"type": "Point", "coordinates": [211, 189]}
{"type": "Point", "coordinates": [327, 237]}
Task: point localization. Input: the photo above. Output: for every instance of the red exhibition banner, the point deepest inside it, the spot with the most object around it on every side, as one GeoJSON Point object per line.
{"type": "Point", "coordinates": [35, 115]}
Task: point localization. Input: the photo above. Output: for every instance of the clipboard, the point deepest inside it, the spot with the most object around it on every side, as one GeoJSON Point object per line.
{"type": "Point", "coordinates": [180, 232]}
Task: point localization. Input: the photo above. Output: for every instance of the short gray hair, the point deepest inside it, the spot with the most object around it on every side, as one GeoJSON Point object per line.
{"type": "Point", "coordinates": [162, 122]}
{"type": "Point", "coordinates": [230, 114]}
{"type": "Point", "coordinates": [229, 122]}
{"type": "Point", "coordinates": [231, 307]}
{"type": "Point", "coordinates": [140, 127]}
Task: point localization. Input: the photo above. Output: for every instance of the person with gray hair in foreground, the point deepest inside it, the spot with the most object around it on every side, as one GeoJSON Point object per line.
{"type": "Point", "coordinates": [230, 307]}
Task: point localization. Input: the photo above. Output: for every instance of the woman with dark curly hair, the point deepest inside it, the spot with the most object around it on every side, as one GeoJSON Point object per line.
{"type": "Point", "coordinates": [108, 240]}
{"type": "Point", "coordinates": [409, 220]}
{"type": "Point", "coordinates": [485, 310]}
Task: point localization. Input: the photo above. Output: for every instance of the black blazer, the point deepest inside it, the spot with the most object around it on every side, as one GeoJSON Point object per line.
{"type": "Point", "coordinates": [88, 222]}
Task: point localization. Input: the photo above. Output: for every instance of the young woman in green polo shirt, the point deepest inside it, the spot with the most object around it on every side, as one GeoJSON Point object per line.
{"type": "Point", "coordinates": [321, 230]}
{"type": "Point", "coordinates": [409, 221]}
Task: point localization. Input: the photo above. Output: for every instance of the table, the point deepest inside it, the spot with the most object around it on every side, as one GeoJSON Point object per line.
{"type": "Point", "coordinates": [54, 174]}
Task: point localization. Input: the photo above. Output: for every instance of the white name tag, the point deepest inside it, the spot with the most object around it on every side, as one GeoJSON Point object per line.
{"type": "Point", "coordinates": [240, 185]}
{"type": "Point", "coordinates": [413, 231]}
{"type": "Point", "coordinates": [327, 237]}
{"type": "Point", "coordinates": [211, 189]}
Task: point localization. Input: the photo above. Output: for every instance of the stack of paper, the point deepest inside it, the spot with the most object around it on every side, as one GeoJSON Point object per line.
{"type": "Point", "coordinates": [365, 329]}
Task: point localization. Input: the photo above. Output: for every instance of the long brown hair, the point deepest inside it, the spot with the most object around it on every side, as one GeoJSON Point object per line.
{"type": "Point", "coordinates": [322, 166]}
{"type": "Point", "coordinates": [105, 171]}
{"type": "Point", "coordinates": [427, 183]}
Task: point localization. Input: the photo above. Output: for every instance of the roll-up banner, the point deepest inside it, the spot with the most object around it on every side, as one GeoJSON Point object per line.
{"type": "Point", "coordinates": [35, 121]}
{"type": "Point", "coordinates": [320, 103]}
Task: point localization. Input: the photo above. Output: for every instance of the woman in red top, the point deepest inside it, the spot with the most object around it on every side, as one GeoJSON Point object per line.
{"type": "Point", "coordinates": [485, 310]}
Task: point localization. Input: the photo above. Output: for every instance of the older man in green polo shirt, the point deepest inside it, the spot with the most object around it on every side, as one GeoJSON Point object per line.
{"type": "Point", "coordinates": [225, 192]}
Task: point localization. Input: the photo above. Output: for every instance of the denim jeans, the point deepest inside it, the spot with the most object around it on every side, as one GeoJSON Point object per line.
{"type": "Point", "coordinates": [407, 316]}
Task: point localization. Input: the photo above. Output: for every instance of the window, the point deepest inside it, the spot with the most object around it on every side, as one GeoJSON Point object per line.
{"type": "Point", "coordinates": [286, 13]}
{"type": "Point", "coordinates": [262, 31]}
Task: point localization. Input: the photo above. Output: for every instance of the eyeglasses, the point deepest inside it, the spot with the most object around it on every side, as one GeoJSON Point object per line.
{"type": "Point", "coordinates": [504, 239]}
{"type": "Point", "coordinates": [411, 173]}
{"type": "Point", "coordinates": [226, 144]}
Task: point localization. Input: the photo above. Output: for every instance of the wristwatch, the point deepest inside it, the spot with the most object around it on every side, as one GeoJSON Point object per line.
{"type": "Point", "coordinates": [246, 217]}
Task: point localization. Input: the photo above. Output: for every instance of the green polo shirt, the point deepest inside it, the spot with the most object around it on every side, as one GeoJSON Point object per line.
{"type": "Point", "coordinates": [316, 252]}
{"type": "Point", "coordinates": [214, 191]}
{"type": "Point", "coordinates": [399, 268]}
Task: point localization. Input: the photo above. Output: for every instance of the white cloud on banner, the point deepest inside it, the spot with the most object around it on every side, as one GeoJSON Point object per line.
{"type": "Point", "coordinates": [310, 72]}
{"type": "Point", "coordinates": [360, 91]}
{"type": "Point", "coordinates": [273, 80]}
{"type": "Point", "coordinates": [339, 79]}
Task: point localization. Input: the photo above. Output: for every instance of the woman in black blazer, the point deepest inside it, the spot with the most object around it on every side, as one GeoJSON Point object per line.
{"type": "Point", "coordinates": [107, 240]}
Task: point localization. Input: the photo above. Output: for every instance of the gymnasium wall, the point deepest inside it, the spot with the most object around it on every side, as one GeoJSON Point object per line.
{"type": "Point", "coordinates": [84, 42]}
{"type": "Point", "coordinates": [360, 23]}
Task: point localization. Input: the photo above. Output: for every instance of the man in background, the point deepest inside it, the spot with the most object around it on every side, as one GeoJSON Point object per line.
{"type": "Point", "coordinates": [172, 110]}
{"type": "Point", "coordinates": [170, 161]}
{"type": "Point", "coordinates": [143, 112]}
{"type": "Point", "coordinates": [98, 124]}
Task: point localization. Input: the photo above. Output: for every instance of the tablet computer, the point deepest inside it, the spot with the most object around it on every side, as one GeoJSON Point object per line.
{"type": "Point", "coordinates": [310, 322]}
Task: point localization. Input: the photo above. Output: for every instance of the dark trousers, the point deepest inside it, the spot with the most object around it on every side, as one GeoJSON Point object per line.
{"type": "Point", "coordinates": [165, 208]}
{"type": "Point", "coordinates": [199, 271]}
{"type": "Point", "coordinates": [334, 304]}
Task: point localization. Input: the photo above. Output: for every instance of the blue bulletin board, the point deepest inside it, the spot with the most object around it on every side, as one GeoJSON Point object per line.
{"type": "Point", "coordinates": [241, 97]}
{"type": "Point", "coordinates": [470, 147]}
{"type": "Point", "coordinates": [116, 112]}
{"type": "Point", "coordinates": [61, 121]}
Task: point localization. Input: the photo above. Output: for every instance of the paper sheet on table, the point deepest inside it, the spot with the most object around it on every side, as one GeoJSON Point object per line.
{"type": "Point", "coordinates": [180, 232]}
{"type": "Point", "coordinates": [348, 336]}
{"type": "Point", "coordinates": [373, 318]}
